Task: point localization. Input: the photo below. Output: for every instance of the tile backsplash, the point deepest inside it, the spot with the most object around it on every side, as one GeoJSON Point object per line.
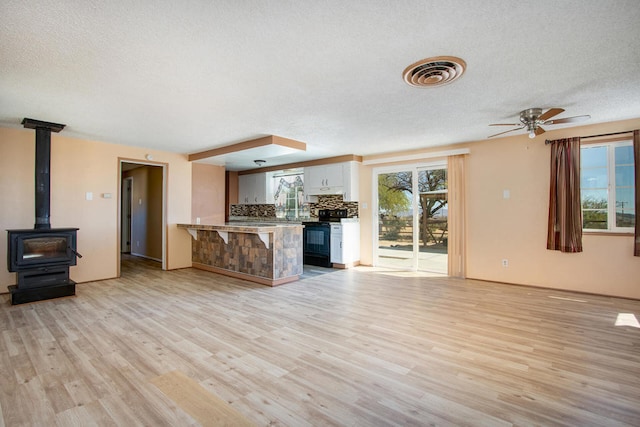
{"type": "Point", "coordinates": [324, 202]}
{"type": "Point", "coordinates": [333, 202]}
{"type": "Point", "coordinates": [264, 211]}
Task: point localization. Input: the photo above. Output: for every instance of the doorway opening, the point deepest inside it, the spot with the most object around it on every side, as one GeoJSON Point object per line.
{"type": "Point", "coordinates": [412, 218]}
{"type": "Point", "coordinates": [142, 214]}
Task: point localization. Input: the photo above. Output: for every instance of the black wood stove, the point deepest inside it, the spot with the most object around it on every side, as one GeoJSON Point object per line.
{"type": "Point", "coordinates": [41, 256]}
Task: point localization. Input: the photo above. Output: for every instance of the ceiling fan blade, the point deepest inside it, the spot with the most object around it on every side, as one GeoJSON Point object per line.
{"type": "Point", "coordinates": [501, 133]}
{"type": "Point", "coordinates": [539, 131]}
{"type": "Point", "coordinates": [550, 113]}
{"type": "Point", "coordinates": [505, 124]}
{"type": "Point", "coordinates": [567, 120]}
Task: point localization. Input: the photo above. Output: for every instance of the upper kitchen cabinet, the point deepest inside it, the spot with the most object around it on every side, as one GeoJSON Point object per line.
{"type": "Point", "coordinates": [336, 178]}
{"type": "Point", "coordinates": [351, 174]}
{"type": "Point", "coordinates": [255, 189]}
{"type": "Point", "coordinates": [324, 177]}
{"type": "Point", "coordinates": [245, 188]}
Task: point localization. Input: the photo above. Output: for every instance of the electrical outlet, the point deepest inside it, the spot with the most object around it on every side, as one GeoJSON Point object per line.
{"type": "Point", "coordinates": [505, 262]}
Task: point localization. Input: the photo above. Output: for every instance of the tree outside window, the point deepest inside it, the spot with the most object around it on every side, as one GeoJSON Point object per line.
{"type": "Point", "coordinates": [394, 200]}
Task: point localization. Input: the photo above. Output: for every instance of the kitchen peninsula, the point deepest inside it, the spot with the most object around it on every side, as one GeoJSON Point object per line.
{"type": "Point", "coordinates": [265, 253]}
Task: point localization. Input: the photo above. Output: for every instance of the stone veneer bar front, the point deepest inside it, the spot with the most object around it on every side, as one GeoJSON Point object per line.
{"type": "Point", "coordinates": [269, 254]}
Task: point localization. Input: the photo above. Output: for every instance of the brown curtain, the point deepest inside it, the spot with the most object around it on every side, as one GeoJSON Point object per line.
{"type": "Point", "coordinates": [565, 214]}
{"type": "Point", "coordinates": [636, 165]}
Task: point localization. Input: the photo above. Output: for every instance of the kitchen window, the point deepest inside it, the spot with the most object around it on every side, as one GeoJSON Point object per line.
{"type": "Point", "coordinates": [289, 195]}
{"type": "Point", "coordinates": [607, 187]}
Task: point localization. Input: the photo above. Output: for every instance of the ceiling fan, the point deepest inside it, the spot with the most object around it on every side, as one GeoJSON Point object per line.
{"type": "Point", "coordinates": [533, 118]}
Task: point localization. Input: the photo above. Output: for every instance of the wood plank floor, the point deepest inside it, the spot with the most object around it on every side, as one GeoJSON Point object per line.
{"type": "Point", "coordinates": [350, 347]}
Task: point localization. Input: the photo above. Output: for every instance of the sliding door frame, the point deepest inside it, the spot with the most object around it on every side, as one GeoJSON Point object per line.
{"type": "Point", "coordinates": [414, 168]}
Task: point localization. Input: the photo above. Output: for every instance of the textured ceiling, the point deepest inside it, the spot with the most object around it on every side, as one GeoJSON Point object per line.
{"type": "Point", "coordinates": [194, 75]}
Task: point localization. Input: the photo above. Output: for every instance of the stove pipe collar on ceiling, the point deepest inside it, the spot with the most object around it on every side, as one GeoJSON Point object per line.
{"type": "Point", "coordinates": [43, 164]}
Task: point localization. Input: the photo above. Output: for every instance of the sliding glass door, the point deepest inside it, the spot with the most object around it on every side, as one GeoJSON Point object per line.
{"type": "Point", "coordinates": [396, 220]}
{"type": "Point", "coordinates": [412, 217]}
{"type": "Point", "coordinates": [433, 217]}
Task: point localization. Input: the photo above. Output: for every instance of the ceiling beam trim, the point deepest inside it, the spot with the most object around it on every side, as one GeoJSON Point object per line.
{"type": "Point", "coordinates": [317, 162]}
{"type": "Point", "coordinates": [247, 145]}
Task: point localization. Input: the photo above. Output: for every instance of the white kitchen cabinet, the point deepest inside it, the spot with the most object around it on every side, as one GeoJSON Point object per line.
{"type": "Point", "coordinates": [255, 189]}
{"type": "Point", "coordinates": [336, 178]}
{"type": "Point", "coordinates": [324, 177]}
{"type": "Point", "coordinates": [245, 188]}
{"type": "Point", "coordinates": [345, 243]}
{"type": "Point", "coordinates": [336, 243]}
{"type": "Point", "coordinates": [351, 177]}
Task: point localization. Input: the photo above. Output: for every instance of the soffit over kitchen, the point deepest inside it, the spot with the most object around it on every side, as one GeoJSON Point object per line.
{"type": "Point", "coordinates": [265, 151]}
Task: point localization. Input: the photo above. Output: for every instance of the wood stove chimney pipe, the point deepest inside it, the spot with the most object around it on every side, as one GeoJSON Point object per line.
{"type": "Point", "coordinates": [43, 164]}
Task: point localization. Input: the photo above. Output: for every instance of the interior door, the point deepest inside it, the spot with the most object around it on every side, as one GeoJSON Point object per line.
{"type": "Point", "coordinates": [126, 215]}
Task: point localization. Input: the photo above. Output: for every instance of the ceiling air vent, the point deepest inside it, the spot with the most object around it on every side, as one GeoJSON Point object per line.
{"type": "Point", "coordinates": [437, 71]}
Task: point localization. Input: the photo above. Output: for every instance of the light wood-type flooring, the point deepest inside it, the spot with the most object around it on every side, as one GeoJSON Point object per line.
{"type": "Point", "coordinates": [352, 347]}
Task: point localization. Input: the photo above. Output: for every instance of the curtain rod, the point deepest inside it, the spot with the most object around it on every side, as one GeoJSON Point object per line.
{"type": "Point", "coordinates": [547, 141]}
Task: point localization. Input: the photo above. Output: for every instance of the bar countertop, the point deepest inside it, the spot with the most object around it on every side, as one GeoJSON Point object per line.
{"type": "Point", "coordinates": [242, 227]}
{"type": "Point", "coordinates": [262, 252]}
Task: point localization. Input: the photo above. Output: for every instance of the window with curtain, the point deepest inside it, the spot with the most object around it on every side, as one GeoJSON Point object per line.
{"type": "Point", "coordinates": [289, 195]}
{"type": "Point", "coordinates": [607, 184]}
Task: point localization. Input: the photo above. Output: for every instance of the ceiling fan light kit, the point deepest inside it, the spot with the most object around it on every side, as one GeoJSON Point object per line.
{"type": "Point", "coordinates": [534, 118]}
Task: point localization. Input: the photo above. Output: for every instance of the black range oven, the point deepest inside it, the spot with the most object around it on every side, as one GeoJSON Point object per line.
{"type": "Point", "coordinates": [317, 237]}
